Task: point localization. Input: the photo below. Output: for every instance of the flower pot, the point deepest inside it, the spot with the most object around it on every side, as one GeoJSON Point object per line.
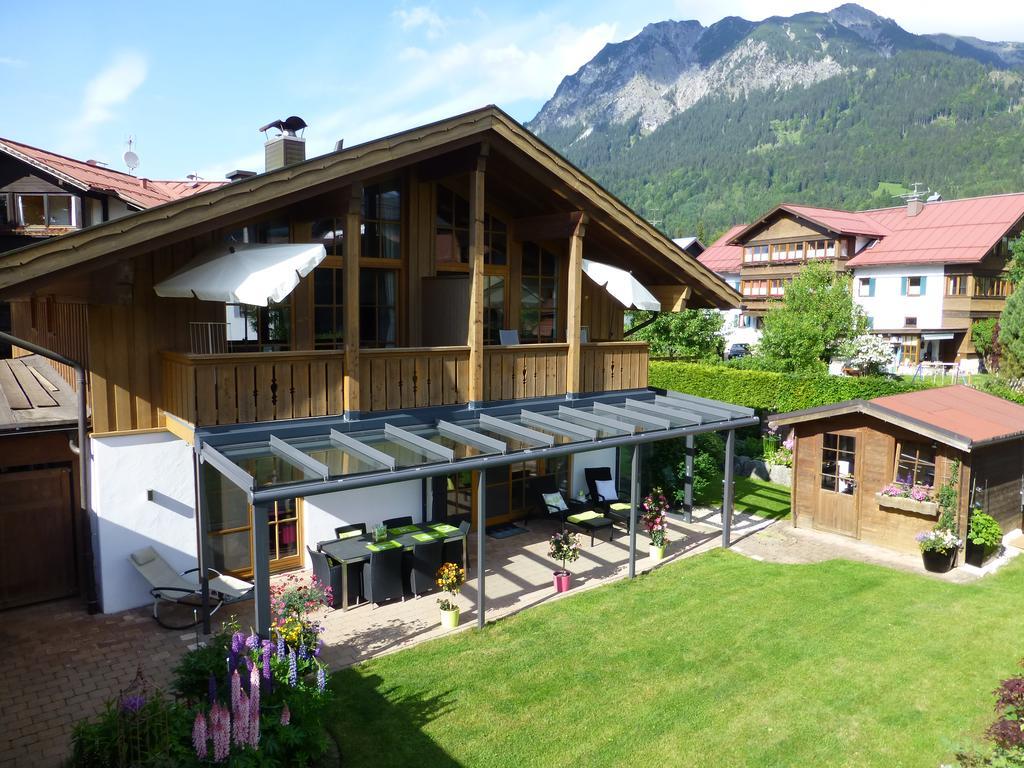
{"type": "Point", "coordinates": [657, 554]}
{"type": "Point", "coordinates": [927, 508]}
{"type": "Point", "coordinates": [938, 562]}
{"type": "Point", "coordinates": [562, 581]}
{"type": "Point", "coordinates": [977, 555]}
{"type": "Point", "coordinates": [450, 619]}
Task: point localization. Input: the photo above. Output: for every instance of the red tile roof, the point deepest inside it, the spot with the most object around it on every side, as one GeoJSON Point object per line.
{"type": "Point", "coordinates": [140, 192]}
{"type": "Point", "coordinates": [841, 222]}
{"type": "Point", "coordinates": [721, 257]}
{"type": "Point", "coordinates": [944, 232]}
{"type": "Point", "coordinates": [977, 416]}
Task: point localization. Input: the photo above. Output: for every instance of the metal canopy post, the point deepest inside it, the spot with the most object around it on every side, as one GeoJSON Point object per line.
{"type": "Point", "coordinates": [688, 485]}
{"type": "Point", "coordinates": [729, 489]}
{"type": "Point", "coordinates": [634, 502]}
{"type": "Point", "coordinates": [481, 533]}
{"type": "Point", "coordinates": [261, 567]}
{"type": "Point", "coordinates": [202, 539]}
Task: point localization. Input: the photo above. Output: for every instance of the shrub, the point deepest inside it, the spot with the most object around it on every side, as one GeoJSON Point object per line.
{"type": "Point", "coordinates": [768, 390]}
{"type": "Point", "coordinates": [565, 546]}
{"type": "Point", "coordinates": [984, 531]}
{"type": "Point", "coordinates": [1005, 734]}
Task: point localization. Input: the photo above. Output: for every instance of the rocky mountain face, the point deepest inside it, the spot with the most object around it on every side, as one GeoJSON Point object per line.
{"type": "Point", "coordinates": [704, 127]}
{"type": "Point", "coordinates": [671, 65]}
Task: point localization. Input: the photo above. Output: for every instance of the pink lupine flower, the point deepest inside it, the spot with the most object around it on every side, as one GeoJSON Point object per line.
{"type": "Point", "coordinates": [199, 736]}
{"type": "Point", "coordinates": [254, 708]}
{"type": "Point", "coordinates": [286, 715]}
{"type": "Point", "coordinates": [220, 724]}
{"type": "Point", "coordinates": [240, 719]}
{"type": "Point", "coordinates": [236, 690]}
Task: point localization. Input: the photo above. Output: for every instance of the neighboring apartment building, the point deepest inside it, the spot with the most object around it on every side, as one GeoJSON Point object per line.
{"type": "Point", "coordinates": [470, 231]}
{"type": "Point", "coordinates": [923, 272]}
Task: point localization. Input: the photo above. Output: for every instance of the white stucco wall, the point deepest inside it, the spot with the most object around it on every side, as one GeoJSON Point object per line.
{"type": "Point", "coordinates": [123, 469]}
{"type": "Point", "coordinates": [888, 308]}
{"type": "Point", "coordinates": [581, 461]}
{"type": "Point", "coordinates": [322, 514]}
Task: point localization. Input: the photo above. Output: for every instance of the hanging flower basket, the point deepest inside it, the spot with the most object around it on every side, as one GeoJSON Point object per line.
{"type": "Point", "coordinates": [926, 508]}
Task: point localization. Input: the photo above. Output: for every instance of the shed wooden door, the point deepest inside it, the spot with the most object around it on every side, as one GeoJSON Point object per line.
{"type": "Point", "coordinates": [37, 537]}
{"type": "Point", "coordinates": [839, 491]}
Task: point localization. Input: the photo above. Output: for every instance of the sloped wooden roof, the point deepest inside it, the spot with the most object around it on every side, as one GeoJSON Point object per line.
{"type": "Point", "coordinates": [180, 219]}
{"type": "Point", "coordinates": [34, 396]}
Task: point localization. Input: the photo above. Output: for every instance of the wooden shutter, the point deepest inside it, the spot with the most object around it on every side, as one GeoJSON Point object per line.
{"type": "Point", "coordinates": [903, 286]}
{"type": "Point", "coordinates": [871, 286]}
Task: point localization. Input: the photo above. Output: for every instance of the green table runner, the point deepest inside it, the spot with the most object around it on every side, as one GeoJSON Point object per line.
{"type": "Point", "coordinates": [582, 517]}
{"type": "Point", "coordinates": [403, 529]}
{"type": "Point", "coordinates": [382, 545]}
{"type": "Point", "coordinates": [444, 528]}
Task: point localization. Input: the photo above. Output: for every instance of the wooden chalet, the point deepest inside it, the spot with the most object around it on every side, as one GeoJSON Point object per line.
{"type": "Point", "coordinates": [472, 232]}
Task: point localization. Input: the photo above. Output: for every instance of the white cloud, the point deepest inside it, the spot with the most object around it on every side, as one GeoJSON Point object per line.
{"type": "Point", "coordinates": [7, 61]}
{"type": "Point", "coordinates": [112, 86]}
{"type": "Point", "coordinates": [420, 17]}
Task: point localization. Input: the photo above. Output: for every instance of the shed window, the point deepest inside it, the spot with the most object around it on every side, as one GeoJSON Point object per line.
{"type": "Point", "coordinates": [838, 456]}
{"type": "Point", "coordinates": [916, 464]}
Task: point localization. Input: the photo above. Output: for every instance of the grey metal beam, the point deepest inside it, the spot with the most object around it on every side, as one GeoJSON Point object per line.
{"type": "Point", "coordinates": [202, 539]}
{"type": "Point", "coordinates": [481, 536]}
{"type": "Point", "coordinates": [417, 443]}
{"type": "Point", "coordinates": [595, 420]}
{"type": "Point", "coordinates": [736, 410]}
{"type": "Point", "coordinates": [664, 411]}
{"type": "Point", "coordinates": [228, 469]}
{"type": "Point", "coordinates": [566, 428]}
{"type": "Point", "coordinates": [368, 479]}
{"type": "Point", "coordinates": [469, 437]}
{"type": "Point", "coordinates": [297, 458]}
{"type": "Point", "coordinates": [634, 503]}
{"type": "Point", "coordinates": [729, 490]}
{"type": "Point", "coordinates": [646, 420]}
{"type": "Point", "coordinates": [362, 450]}
{"type": "Point", "coordinates": [261, 568]}
{"type": "Point", "coordinates": [688, 483]}
{"type": "Point", "coordinates": [517, 431]}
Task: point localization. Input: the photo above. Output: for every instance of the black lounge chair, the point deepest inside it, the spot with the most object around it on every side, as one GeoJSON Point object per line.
{"type": "Point", "coordinates": [551, 501]}
{"type": "Point", "coordinates": [613, 506]}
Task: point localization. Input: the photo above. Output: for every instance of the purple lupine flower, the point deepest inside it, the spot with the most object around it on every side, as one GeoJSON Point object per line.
{"type": "Point", "coordinates": [132, 704]}
{"type": "Point", "coordinates": [240, 719]}
{"type": "Point", "coordinates": [266, 661]}
{"type": "Point", "coordinates": [220, 726]}
{"type": "Point", "coordinates": [252, 642]}
{"type": "Point", "coordinates": [237, 642]}
{"type": "Point", "coordinates": [236, 689]}
{"type": "Point", "coordinates": [280, 649]}
{"type": "Point", "coordinates": [286, 715]}
{"type": "Point", "coordinates": [293, 669]}
{"type": "Point", "coordinates": [199, 736]}
{"type": "Point", "coordinates": [303, 651]}
{"type": "Point", "coordinates": [319, 647]}
{"type": "Point", "coordinates": [321, 678]}
{"type": "Point", "coordinates": [211, 686]}
{"type": "Point", "coordinates": [254, 707]}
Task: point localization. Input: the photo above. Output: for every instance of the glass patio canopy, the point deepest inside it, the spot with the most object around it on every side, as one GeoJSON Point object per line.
{"type": "Point", "coordinates": [273, 461]}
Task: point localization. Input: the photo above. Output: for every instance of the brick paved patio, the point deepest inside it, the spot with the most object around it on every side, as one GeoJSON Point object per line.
{"type": "Point", "coordinates": [62, 664]}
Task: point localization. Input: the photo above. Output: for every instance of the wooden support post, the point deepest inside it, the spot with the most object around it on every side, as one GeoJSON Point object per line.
{"type": "Point", "coordinates": [353, 250]}
{"type": "Point", "coordinates": [688, 484]}
{"type": "Point", "coordinates": [475, 332]}
{"type": "Point", "coordinates": [574, 299]}
{"type": "Point", "coordinates": [634, 503]}
{"type": "Point", "coordinates": [728, 492]}
{"type": "Point", "coordinates": [261, 568]}
{"type": "Point", "coordinates": [481, 536]}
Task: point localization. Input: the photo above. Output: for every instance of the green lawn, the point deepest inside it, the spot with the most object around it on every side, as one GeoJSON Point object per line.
{"type": "Point", "coordinates": [715, 660]}
{"type": "Point", "coordinates": [755, 496]}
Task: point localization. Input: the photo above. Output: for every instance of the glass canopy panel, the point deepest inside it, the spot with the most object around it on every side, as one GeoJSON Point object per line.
{"type": "Point", "coordinates": [339, 461]}
{"type": "Point", "coordinates": [404, 455]}
{"type": "Point", "coordinates": [560, 439]}
{"type": "Point", "coordinates": [639, 427]}
{"type": "Point", "coordinates": [602, 430]}
{"type": "Point", "coordinates": [266, 467]}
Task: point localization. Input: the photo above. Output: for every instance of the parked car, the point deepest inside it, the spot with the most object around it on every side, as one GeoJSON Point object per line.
{"type": "Point", "coordinates": [737, 350]}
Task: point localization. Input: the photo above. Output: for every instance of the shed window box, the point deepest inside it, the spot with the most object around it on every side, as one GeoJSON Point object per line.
{"type": "Point", "coordinates": [928, 508]}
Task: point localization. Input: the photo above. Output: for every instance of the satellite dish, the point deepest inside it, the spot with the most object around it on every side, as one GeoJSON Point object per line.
{"type": "Point", "coordinates": [131, 160]}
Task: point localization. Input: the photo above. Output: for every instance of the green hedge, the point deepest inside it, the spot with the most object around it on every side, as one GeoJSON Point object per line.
{"type": "Point", "coordinates": [769, 391]}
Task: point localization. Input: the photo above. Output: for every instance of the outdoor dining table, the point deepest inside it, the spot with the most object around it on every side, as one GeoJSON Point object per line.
{"type": "Point", "coordinates": [357, 549]}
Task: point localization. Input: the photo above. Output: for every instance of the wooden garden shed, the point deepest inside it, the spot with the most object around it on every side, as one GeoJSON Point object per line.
{"type": "Point", "coordinates": [846, 454]}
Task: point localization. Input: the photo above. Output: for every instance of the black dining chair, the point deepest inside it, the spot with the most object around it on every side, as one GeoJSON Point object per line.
{"type": "Point", "coordinates": [453, 550]}
{"type": "Point", "coordinates": [398, 522]}
{"type": "Point", "coordinates": [329, 572]}
{"type": "Point", "coordinates": [424, 562]}
{"type": "Point", "coordinates": [383, 579]}
{"type": "Point", "coordinates": [347, 531]}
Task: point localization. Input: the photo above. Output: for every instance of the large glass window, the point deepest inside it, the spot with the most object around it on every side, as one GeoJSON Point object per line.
{"type": "Point", "coordinates": [916, 464]}
{"type": "Point", "coordinates": [494, 307]}
{"type": "Point", "coordinates": [838, 457]}
{"type": "Point", "coordinates": [259, 329]}
{"type": "Point", "coordinates": [452, 232]}
{"type": "Point", "coordinates": [991, 287]}
{"type": "Point", "coordinates": [328, 308]}
{"type": "Point", "coordinates": [538, 298]}
{"type": "Point", "coordinates": [382, 221]}
{"type": "Point", "coordinates": [378, 307]}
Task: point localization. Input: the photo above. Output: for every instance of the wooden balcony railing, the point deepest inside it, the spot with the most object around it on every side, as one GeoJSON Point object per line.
{"type": "Point", "coordinates": [208, 390]}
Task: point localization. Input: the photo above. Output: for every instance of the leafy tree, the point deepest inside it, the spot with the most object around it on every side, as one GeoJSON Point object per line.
{"type": "Point", "coordinates": [693, 334]}
{"type": "Point", "coordinates": [1015, 264]}
{"type": "Point", "coordinates": [868, 353]}
{"type": "Point", "coordinates": [1011, 335]}
{"type": "Point", "coordinates": [985, 337]}
{"type": "Point", "coordinates": [816, 316]}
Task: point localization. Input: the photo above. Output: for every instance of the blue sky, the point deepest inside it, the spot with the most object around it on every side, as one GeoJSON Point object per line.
{"type": "Point", "coordinates": [193, 81]}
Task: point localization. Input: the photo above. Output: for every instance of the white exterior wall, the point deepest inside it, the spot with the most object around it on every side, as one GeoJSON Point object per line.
{"type": "Point", "coordinates": [322, 514]}
{"type": "Point", "coordinates": [123, 469]}
{"type": "Point", "coordinates": [888, 308]}
{"type": "Point", "coordinates": [604, 457]}
{"type": "Point", "coordinates": [732, 331]}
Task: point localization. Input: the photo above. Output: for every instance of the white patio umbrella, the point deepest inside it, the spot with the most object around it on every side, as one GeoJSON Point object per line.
{"type": "Point", "coordinates": [626, 289]}
{"type": "Point", "coordinates": [243, 273]}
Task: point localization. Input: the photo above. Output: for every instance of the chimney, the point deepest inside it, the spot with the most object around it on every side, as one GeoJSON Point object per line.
{"type": "Point", "coordinates": [239, 175]}
{"type": "Point", "coordinates": [287, 147]}
{"type": "Point", "coordinates": [914, 206]}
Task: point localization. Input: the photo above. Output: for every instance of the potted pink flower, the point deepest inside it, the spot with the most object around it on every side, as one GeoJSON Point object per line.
{"type": "Point", "coordinates": [654, 511]}
{"type": "Point", "coordinates": [565, 546]}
